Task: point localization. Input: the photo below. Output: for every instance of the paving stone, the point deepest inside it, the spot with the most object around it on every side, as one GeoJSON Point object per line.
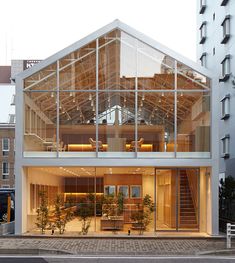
{"type": "Point", "coordinates": [106, 246]}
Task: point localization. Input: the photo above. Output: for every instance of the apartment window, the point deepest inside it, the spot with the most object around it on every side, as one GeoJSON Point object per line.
{"type": "Point", "coordinates": [226, 29]}
{"type": "Point", "coordinates": [203, 59]}
{"type": "Point", "coordinates": [202, 33]}
{"type": "Point", "coordinates": [5, 170]}
{"type": "Point", "coordinates": [5, 146]}
{"type": "Point", "coordinates": [202, 6]}
{"type": "Point", "coordinates": [225, 107]}
{"type": "Point", "coordinates": [225, 146]}
{"type": "Point", "coordinates": [224, 2]}
{"type": "Point", "coordinates": [213, 16]}
{"type": "Point", "coordinates": [225, 69]}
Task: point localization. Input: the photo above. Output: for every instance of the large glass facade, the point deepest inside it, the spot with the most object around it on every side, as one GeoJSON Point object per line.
{"type": "Point", "coordinates": [117, 97]}
{"type": "Point", "coordinates": [117, 199]}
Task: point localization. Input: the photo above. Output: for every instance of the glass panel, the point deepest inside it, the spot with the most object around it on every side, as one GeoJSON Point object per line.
{"type": "Point", "coordinates": [155, 123]}
{"type": "Point", "coordinates": [117, 61]}
{"type": "Point", "coordinates": [128, 61]}
{"type": "Point", "coordinates": [78, 69]}
{"type": "Point", "coordinates": [188, 199]}
{"type": "Point", "coordinates": [189, 79]}
{"type": "Point", "coordinates": [193, 123]}
{"type": "Point", "coordinates": [69, 193]}
{"type": "Point", "coordinates": [77, 129]}
{"type": "Point", "coordinates": [166, 199]}
{"type": "Point", "coordinates": [40, 121]}
{"type": "Point", "coordinates": [155, 69]}
{"type": "Point", "coordinates": [45, 79]}
{"type": "Point", "coordinates": [123, 207]}
{"type": "Point", "coordinates": [109, 62]}
{"type": "Point", "coordinates": [116, 123]}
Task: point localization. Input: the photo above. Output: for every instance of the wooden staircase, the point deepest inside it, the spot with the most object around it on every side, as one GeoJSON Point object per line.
{"type": "Point", "coordinates": [187, 213]}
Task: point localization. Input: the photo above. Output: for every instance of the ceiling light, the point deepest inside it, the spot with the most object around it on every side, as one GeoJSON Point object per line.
{"type": "Point", "coordinates": [90, 97]}
{"type": "Point", "coordinates": [162, 94]}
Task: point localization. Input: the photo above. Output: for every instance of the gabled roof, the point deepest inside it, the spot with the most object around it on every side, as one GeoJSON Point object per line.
{"type": "Point", "coordinates": [116, 24]}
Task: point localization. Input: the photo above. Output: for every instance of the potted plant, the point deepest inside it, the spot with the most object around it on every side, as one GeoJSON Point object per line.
{"type": "Point", "coordinates": [85, 212]}
{"type": "Point", "coordinates": [112, 209]}
{"type": "Point", "coordinates": [42, 212]}
{"type": "Point", "coordinates": [142, 217]}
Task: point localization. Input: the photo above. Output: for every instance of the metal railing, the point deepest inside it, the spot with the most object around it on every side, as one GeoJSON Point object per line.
{"type": "Point", "coordinates": [230, 234]}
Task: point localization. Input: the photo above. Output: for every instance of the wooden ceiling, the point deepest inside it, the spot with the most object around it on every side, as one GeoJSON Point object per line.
{"type": "Point", "coordinates": [77, 85]}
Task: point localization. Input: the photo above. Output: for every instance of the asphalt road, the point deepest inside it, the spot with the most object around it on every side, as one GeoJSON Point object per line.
{"type": "Point", "coordinates": [87, 259]}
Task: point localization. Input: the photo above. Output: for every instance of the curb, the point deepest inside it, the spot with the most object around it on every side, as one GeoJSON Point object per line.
{"type": "Point", "coordinates": [33, 251]}
{"type": "Point", "coordinates": [223, 252]}
{"type": "Point", "coordinates": [219, 238]}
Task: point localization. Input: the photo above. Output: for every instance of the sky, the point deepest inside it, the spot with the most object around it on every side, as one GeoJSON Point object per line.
{"type": "Point", "coordinates": [33, 29]}
{"type": "Point", "coordinates": [36, 29]}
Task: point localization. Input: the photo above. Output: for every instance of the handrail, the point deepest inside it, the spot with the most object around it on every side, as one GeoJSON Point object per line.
{"type": "Point", "coordinates": [230, 233]}
{"type": "Point", "coordinates": [193, 189]}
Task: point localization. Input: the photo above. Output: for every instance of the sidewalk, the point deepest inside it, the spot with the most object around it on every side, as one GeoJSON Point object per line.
{"type": "Point", "coordinates": [111, 246]}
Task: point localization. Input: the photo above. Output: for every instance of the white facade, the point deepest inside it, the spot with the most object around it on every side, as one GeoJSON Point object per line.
{"type": "Point", "coordinates": [197, 158]}
{"type": "Point", "coordinates": [216, 52]}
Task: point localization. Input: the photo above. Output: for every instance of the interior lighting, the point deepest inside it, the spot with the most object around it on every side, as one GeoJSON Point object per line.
{"type": "Point", "coordinates": [143, 97]}
{"type": "Point", "coordinates": [162, 94]}
{"type": "Point", "coordinates": [52, 95]}
{"type": "Point", "coordinates": [90, 97]}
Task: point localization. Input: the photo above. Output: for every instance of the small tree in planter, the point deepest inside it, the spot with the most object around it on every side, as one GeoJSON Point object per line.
{"type": "Point", "coordinates": [142, 217]}
{"type": "Point", "coordinates": [85, 213]}
{"type": "Point", "coordinates": [61, 216]}
{"type": "Point", "coordinates": [112, 208]}
{"type": "Point", "coordinates": [42, 212]}
{"type": "Point", "coordinates": [58, 215]}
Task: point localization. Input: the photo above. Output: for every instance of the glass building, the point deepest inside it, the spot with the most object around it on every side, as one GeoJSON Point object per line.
{"type": "Point", "coordinates": [117, 114]}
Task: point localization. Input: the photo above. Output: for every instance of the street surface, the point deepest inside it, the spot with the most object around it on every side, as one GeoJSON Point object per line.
{"type": "Point", "coordinates": [109, 259]}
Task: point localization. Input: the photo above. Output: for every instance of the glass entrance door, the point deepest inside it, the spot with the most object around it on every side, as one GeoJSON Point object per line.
{"type": "Point", "coordinates": [166, 199]}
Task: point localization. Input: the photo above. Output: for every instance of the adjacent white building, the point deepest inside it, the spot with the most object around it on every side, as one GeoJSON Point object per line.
{"type": "Point", "coordinates": [216, 52]}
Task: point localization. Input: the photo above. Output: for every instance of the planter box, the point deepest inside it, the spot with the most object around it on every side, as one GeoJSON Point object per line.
{"type": "Point", "coordinates": [7, 228]}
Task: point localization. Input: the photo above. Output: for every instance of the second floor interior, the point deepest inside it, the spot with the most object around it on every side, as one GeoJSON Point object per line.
{"type": "Point", "coordinates": [117, 96]}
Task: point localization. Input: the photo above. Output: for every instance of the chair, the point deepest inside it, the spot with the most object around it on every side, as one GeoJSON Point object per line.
{"type": "Point", "coordinates": [133, 144]}
{"type": "Point", "coordinates": [93, 145]}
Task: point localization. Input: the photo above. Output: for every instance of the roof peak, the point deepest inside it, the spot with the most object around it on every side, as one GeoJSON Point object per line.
{"type": "Point", "coordinates": [116, 24]}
